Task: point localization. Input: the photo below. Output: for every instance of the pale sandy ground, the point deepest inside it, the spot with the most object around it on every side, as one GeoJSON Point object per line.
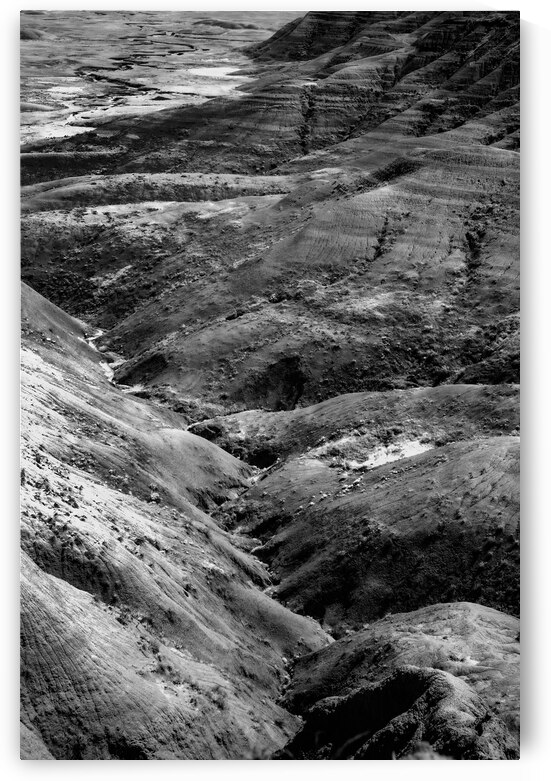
{"type": "Point", "coordinates": [138, 67]}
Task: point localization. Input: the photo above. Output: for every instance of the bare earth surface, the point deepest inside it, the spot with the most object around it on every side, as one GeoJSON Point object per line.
{"type": "Point", "coordinates": [270, 385]}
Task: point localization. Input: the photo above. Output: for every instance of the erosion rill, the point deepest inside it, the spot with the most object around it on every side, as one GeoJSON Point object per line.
{"type": "Point", "coordinates": [270, 367]}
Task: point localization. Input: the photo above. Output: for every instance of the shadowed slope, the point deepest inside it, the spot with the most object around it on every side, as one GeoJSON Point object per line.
{"type": "Point", "coordinates": [359, 430]}
{"type": "Point", "coordinates": [380, 691]}
{"type": "Point", "coordinates": [442, 524]}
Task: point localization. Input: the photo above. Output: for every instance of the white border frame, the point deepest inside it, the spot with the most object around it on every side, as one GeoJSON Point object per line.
{"type": "Point", "coordinates": [536, 402]}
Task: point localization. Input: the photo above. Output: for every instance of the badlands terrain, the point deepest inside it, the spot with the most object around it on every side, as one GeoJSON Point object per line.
{"type": "Point", "coordinates": [270, 399]}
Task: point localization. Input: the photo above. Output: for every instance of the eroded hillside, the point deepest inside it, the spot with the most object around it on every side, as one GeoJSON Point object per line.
{"type": "Point", "coordinates": [270, 351]}
{"type": "Point", "coordinates": [135, 605]}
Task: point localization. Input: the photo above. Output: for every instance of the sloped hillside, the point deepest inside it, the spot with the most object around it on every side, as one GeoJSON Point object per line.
{"type": "Point", "coordinates": [347, 548]}
{"type": "Point", "coordinates": [254, 252]}
{"type": "Point", "coordinates": [361, 430]}
{"type": "Point", "coordinates": [379, 693]}
{"type": "Point", "coordinates": [270, 385]}
{"type": "Point", "coordinates": [134, 605]}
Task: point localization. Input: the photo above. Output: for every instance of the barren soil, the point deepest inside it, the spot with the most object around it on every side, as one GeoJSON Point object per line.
{"type": "Point", "coordinates": [270, 385]}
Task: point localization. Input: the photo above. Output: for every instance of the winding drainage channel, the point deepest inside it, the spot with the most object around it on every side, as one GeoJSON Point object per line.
{"type": "Point", "coordinates": [108, 367]}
